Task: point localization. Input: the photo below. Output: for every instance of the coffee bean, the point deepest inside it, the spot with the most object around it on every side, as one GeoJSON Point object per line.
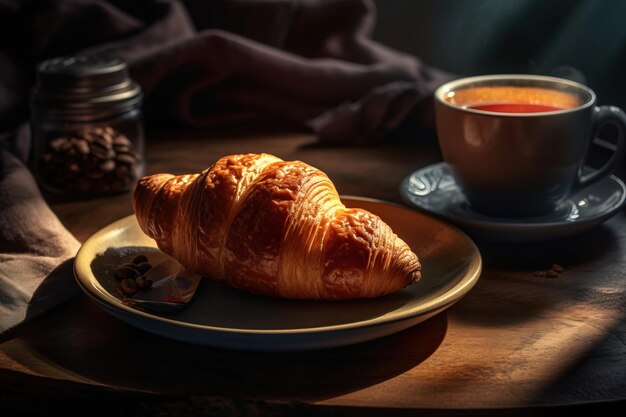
{"type": "Point", "coordinates": [89, 136]}
{"type": "Point", "coordinates": [121, 148]}
{"type": "Point", "coordinates": [101, 153]}
{"type": "Point", "coordinates": [104, 140]}
{"type": "Point", "coordinates": [126, 158]}
{"type": "Point", "coordinates": [100, 144]}
{"type": "Point", "coordinates": [124, 272]}
{"type": "Point", "coordinates": [107, 166]}
{"type": "Point", "coordinates": [139, 259]}
{"type": "Point", "coordinates": [143, 267]}
{"type": "Point", "coordinates": [132, 266]}
{"type": "Point", "coordinates": [143, 283]}
{"type": "Point", "coordinates": [57, 143]}
{"type": "Point", "coordinates": [129, 286]}
{"type": "Point", "coordinates": [82, 146]}
{"type": "Point", "coordinates": [66, 145]}
{"type": "Point", "coordinates": [122, 140]}
{"type": "Point", "coordinates": [108, 138]}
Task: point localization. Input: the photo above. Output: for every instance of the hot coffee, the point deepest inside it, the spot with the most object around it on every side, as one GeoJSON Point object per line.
{"type": "Point", "coordinates": [512, 99]}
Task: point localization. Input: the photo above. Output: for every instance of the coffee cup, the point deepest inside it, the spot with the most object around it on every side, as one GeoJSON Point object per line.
{"type": "Point", "coordinates": [517, 144]}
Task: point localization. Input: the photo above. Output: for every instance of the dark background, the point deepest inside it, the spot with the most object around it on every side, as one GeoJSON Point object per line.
{"type": "Point", "coordinates": [583, 40]}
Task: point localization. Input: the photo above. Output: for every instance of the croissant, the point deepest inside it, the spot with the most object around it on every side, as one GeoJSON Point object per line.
{"type": "Point", "coordinates": [275, 228]}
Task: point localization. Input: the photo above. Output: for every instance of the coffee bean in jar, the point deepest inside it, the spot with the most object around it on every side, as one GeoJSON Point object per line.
{"type": "Point", "coordinates": [86, 125]}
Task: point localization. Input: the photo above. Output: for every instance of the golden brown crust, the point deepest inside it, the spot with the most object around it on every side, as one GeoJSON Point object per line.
{"type": "Point", "coordinates": [274, 228]}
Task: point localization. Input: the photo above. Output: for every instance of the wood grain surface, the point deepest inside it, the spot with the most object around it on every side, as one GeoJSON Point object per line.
{"type": "Point", "coordinates": [517, 344]}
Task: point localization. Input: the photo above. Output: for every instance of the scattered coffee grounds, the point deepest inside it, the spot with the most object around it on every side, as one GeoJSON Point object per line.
{"type": "Point", "coordinates": [554, 271]}
{"type": "Point", "coordinates": [96, 160]}
{"type": "Point", "coordinates": [131, 276]}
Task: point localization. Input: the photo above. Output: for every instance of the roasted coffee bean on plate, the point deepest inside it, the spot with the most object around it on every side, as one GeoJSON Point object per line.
{"type": "Point", "coordinates": [131, 276]}
{"type": "Point", "coordinates": [140, 259]}
{"type": "Point", "coordinates": [143, 283]}
{"type": "Point", "coordinates": [129, 286]}
{"type": "Point", "coordinates": [124, 272]}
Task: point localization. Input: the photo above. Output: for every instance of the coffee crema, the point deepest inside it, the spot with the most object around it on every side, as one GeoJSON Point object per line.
{"type": "Point", "coordinates": [512, 99]}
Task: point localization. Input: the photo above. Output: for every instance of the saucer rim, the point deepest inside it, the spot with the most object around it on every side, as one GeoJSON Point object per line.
{"type": "Point", "coordinates": [491, 221]}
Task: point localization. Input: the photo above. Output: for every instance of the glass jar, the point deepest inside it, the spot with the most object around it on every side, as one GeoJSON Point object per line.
{"type": "Point", "coordinates": [86, 126]}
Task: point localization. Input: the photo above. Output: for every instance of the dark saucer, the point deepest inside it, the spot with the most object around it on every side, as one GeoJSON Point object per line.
{"type": "Point", "coordinates": [434, 190]}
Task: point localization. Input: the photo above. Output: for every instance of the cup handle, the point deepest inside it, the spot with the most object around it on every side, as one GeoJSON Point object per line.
{"type": "Point", "coordinates": [606, 115]}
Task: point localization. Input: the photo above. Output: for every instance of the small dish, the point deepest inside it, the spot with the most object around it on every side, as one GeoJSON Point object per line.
{"type": "Point", "coordinates": [434, 190]}
{"type": "Point", "coordinates": [223, 317]}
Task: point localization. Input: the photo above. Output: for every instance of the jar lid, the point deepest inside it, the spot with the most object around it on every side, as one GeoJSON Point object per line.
{"type": "Point", "coordinates": [81, 84]}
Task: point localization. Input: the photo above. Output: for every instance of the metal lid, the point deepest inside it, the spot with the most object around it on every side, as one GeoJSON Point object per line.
{"type": "Point", "coordinates": [84, 85]}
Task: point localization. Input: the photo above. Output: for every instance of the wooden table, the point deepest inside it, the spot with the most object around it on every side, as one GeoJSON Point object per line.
{"type": "Point", "coordinates": [517, 344]}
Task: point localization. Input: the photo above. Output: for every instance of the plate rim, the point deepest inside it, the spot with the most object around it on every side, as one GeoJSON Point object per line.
{"type": "Point", "coordinates": [83, 276]}
{"type": "Point", "coordinates": [493, 222]}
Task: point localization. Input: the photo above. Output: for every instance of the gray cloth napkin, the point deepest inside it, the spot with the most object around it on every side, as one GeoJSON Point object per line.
{"type": "Point", "coordinates": [35, 249]}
